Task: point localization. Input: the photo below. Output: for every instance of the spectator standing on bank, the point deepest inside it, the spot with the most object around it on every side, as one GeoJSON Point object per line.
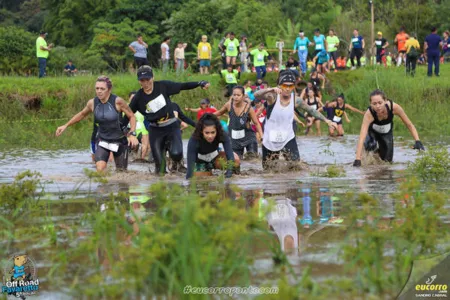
{"type": "Point", "coordinates": [333, 45]}
{"type": "Point", "coordinates": [178, 55]}
{"type": "Point", "coordinates": [232, 47]}
{"type": "Point", "coordinates": [432, 43]}
{"type": "Point", "coordinates": [204, 55]}
{"type": "Point", "coordinates": [165, 54]}
{"type": "Point", "coordinates": [356, 48]}
{"type": "Point", "coordinates": [139, 48]}
{"type": "Point", "coordinates": [42, 52]}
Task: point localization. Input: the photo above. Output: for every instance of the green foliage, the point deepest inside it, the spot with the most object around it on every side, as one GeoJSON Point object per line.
{"type": "Point", "coordinates": [432, 165]}
{"type": "Point", "coordinates": [18, 50]}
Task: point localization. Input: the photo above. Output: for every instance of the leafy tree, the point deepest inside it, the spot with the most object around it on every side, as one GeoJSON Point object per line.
{"type": "Point", "coordinates": [18, 50]}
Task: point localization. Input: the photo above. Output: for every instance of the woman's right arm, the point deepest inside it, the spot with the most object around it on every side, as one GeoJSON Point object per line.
{"type": "Point", "coordinates": [78, 117]}
{"type": "Point", "coordinates": [223, 110]}
{"type": "Point", "coordinates": [191, 157]}
{"type": "Point", "coordinates": [267, 94]}
{"type": "Point", "coordinates": [368, 119]}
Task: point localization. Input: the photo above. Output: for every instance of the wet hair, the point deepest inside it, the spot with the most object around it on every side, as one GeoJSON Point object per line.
{"type": "Point", "coordinates": [106, 80]}
{"type": "Point", "coordinates": [131, 93]}
{"type": "Point", "coordinates": [208, 120]}
{"type": "Point", "coordinates": [166, 39]}
{"type": "Point", "coordinates": [239, 87]}
{"type": "Point", "coordinates": [377, 92]}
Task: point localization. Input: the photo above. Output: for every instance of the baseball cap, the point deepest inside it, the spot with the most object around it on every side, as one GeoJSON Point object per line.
{"type": "Point", "coordinates": [145, 72]}
{"type": "Point", "coordinates": [380, 33]}
{"type": "Point", "coordinates": [204, 101]}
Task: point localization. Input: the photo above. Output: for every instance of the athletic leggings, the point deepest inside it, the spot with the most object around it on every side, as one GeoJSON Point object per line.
{"type": "Point", "coordinates": [253, 147]}
{"type": "Point", "coordinates": [384, 143]}
{"type": "Point", "coordinates": [334, 56]}
{"type": "Point", "coordinates": [120, 157]}
{"type": "Point", "coordinates": [290, 153]}
{"type": "Point", "coordinates": [159, 137]}
{"type": "Point", "coordinates": [356, 52]}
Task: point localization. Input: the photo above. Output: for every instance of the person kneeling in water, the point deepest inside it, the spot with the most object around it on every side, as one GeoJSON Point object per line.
{"type": "Point", "coordinates": [107, 109]}
{"type": "Point", "coordinates": [377, 128]}
{"type": "Point", "coordinates": [203, 148]}
{"type": "Point", "coordinates": [336, 110]}
{"type": "Point", "coordinates": [279, 136]}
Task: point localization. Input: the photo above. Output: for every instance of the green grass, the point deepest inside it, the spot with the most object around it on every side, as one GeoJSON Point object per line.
{"type": "Point", "coordinates": [424, 100]}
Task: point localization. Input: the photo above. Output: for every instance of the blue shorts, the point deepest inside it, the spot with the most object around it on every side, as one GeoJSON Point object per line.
{"type": "Point", "coordinates": [205, 63]}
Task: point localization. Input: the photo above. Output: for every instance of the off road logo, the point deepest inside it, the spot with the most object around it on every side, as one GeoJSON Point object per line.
{"type": "Point", "coordinates": [19, 276]}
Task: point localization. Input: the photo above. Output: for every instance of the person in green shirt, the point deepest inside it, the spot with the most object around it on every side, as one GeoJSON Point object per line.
{"type": "Point", "coordinates": [389, 60]}
{"type": "Point", "coordinates": [333, 45]}
{"type": "Point", "coordinates": [258, 61]}
{"type": "Point", "coordinates": [231, 78]}
{"type": "Point", "coordinates": [42, 51]}
{"type": "Point", "coordinates": [232, 46]}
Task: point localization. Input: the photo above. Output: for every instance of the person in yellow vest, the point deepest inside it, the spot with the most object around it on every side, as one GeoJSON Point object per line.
{"type": "Point", "coordinates": [231, 77]}
{"type": "Point", "coordinates": [412, 54]}
{"type": "Point", "coordinates": [42, 51]}
{"type": "Point", "coordinates": [204, 55]}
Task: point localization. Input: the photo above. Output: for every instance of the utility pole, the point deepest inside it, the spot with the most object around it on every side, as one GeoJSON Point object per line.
{"type": "Point", "coordinates": [280, 46]}
{"type": "Point", "coordinates": [372, 34]}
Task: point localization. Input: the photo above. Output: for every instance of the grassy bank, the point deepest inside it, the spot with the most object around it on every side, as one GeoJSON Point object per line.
{"type": "Point", "coordinates": [424, 100]}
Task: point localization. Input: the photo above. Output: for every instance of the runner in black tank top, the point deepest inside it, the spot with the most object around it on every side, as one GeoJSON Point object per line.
{"type": "Point", "coordinates": [110, 137]}
{"type": "Point", "coordinates": [242, 136]}
{"type": "Point", "coordinates": [336, 111]}
{"type": "Point", "coordinates": [377, 128]}
{"type": "Point", "coordinates": [316, 104]}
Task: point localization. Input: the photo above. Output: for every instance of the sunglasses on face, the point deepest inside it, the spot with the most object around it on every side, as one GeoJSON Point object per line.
{"type": "Point", "coordinates": [288, 87]}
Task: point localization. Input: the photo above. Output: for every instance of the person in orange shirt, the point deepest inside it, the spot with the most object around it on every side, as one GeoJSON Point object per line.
{"type": "Point", "coordinates": [341, 62]}
{"type": "Point", "coordinates": [400, 40]}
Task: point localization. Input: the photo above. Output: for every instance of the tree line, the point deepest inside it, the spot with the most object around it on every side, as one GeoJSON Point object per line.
{"type": "Point", "coordinates": [96, 33]}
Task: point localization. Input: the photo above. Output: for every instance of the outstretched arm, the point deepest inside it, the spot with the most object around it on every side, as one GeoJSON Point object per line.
{"type": "Point", "coordinates": [223, 110]}
{"type": "Point", "coordinates": [398, 110]}
{"type": "Point", "coordinates": [353, 109]}
{"type": "Point", "coordinates": [174, 88]}
{"type": "Point", "coordinates": [368, 119]}
{"type": "Point", "coordinates": [311, 111]}
{"type": "Point", "coordinates": [191, 157]}
{"type": "Point", "coordinates": [78, 117]}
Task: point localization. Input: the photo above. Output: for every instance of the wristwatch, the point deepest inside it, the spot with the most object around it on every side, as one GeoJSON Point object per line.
{"type": "Point", "coordinates": [133, 133]}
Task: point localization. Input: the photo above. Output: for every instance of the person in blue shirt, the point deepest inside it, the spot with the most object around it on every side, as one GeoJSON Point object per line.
{"type": "Point", "coordinates": [70, 68]}
{"type": "Point", "coordinates": [301, 45]}
{"type": "Point", "coordinates": [319, 41]}
{"type": "Point", "coordinates": [321, 61]}
{"type": "Point", "coordinates": [356, 48]}
{"type": "Point", "coordinates": [432, 43]}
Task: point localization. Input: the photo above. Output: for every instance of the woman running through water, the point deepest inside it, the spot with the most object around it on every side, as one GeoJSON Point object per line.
{"type": "Point", "coordinates": [337, 109]}
{"type": "Point", "coordinates": [153, 102]}
{"type": "Point", "coordinates": [203, 152]}
{"type": "Point", "coordinates": [241, 113]}
{"type": "Point", "coordinates": [279, 136]}
{"type": "Point", "coordinates": [107, 109]}
{"type": "Point", "coordinates": [315, 103]}
{"type": "Point", "coordinates": [377, 128]}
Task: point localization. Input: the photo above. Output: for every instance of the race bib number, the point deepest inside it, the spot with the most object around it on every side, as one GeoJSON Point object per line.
{"type": "Point", "coordinates": [231, 47]}
{"type": "Point", "coordinates": [230, 77]}
{"type": "Point", "coordinates": [378, 43]}
{"type": "Point", "coordinates": [381, 128]}
{"type": "Point", "coordinates": [237, 134]}
{"type": "Point", "coordinates": [319, 47]}
{"type": "Point", "coordinates": [156, 104]}
{"type": "Point", "coordinates": [337, 119]}
{"type": "Point", "coordinates": [293, 68]}
{"type": "Point", "coordinates": [280, 212]}
{"type": "Point", "coordinates": [260, 57]}
{"type": "Point", "coordinates": [139, 125]}
{"type": "Point", "coordinates": [331, 46]}
{"type": "Point", "coordinates": [302, 48]}
{"type": "Point", "coordinates": [109, 146]}
{"type": "Point", "coordinates": [205, 48]}
{"type": "Point", "coordinates": [355, 40]}
{"type": "Point", "coordinates": [208, 157]}
{"type": "Point", "coordinates": [277, 136]}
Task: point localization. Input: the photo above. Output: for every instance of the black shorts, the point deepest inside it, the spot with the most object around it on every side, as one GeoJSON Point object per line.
{"type": "Point", "coordinates": [140, 61]}
{"type": "Point", "coordinates": [383, 144]}
{"type": "Point", "coordinates": [120, 157]}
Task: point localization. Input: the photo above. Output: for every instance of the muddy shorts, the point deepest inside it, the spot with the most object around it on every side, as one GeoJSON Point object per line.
{"type": "Point", "coordinates": [120, 156]}
{"type": "Point", "coordinates": [383, 144]}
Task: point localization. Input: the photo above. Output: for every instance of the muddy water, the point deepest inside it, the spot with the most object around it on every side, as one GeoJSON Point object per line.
{"type": "Point", "coordinates": [322, 197]}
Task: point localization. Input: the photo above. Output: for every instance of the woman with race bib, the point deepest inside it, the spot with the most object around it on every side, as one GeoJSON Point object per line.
{"type": "Point", "coordinates": [241, 113]}
{"type": "Point", "coordinates": [203, 152]}
{"type": "Point", "coordinates": [279, 136]}
{"type": "Point", "coordinates": [110, 138]}
{"type": "Point", "coordinates": [153, 102]}
{"type": "Point", "coordinates": [301, 45]}
{"type": "Point", "coordinates": [338, 108]}
{"type": "Point", "coordinates": [377, 128]}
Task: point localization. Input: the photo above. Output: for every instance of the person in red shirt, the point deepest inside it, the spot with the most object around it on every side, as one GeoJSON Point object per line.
{"type": "Point", "coordinates": [400, 40]}
{"type": "Point", "coordinates": [341, 63]}
{"type": "Point", "coordinates": [205, 107]}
